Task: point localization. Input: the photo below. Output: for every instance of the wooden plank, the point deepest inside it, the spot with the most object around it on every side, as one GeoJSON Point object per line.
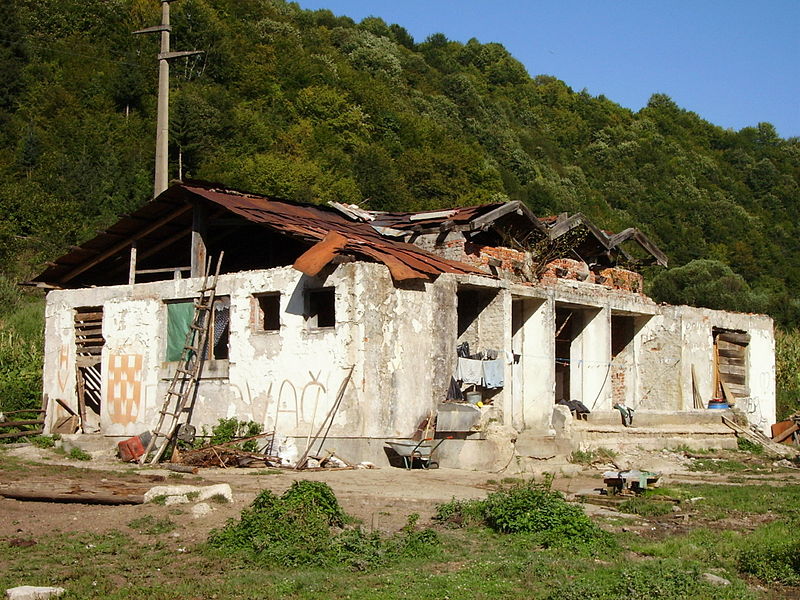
{"type": "Point", "coordinates": [81, 396]}
{"type": "Point", "coordinates": [88, 316]}
{"type": "Point", "coordinates": [132, 265]}
{"type": "Point", "coordinates": [736, 352]}
{"type": "Point", "coordinates": [86, 497]}
{"type": "Point", "coordinates": [728, 393]}
{"type": "Point", "coordinates": [785, 434]}
{"type": "Point", "coordinates": [126, 242]}
{"type": "Point", "coordinates": [728, 369]}
{"type": "Point", "coordinates": [22, 423]}
{"type": "Point", "coordinates": [733, 378]}
{"type": "Point", "coordinates": [199, 232]}
{"type": "Point", "coordinates": [741, 339]}
{"type": "Point", "coordinates": [18, 434]}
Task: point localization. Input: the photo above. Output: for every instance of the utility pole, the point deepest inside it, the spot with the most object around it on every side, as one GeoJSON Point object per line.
{"type": "Point", "coordinates": [162, 130]}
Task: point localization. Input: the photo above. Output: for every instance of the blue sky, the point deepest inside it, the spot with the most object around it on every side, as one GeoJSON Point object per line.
{"type": "Point", "coordinates": [734, 62]}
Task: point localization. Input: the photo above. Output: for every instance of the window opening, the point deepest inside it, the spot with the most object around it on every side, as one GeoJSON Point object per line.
{"type": "Point", "coordinates": [89, 344]}
{"type": "Point", "coordinates": [321, 308]}
{"type": "Point", "coordinates": [623, 331]}
{"type": "Point", "coordinates": [730, 364]}
{"type": "Point", "coordinates": [564, 336]}
{"type": "Point", "coordinates": [180, 314]}
{"type": "Point", "coordinates": [269, 306]}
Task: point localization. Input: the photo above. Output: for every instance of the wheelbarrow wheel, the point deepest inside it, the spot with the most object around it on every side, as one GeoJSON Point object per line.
{"type": "Point", "coordinates": [433, 465]}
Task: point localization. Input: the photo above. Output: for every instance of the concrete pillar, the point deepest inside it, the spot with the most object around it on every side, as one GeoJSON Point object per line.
{"type": "Point", "coordinates": [533, 378]}
{"type": "Point", "coordinates": [590, 360]}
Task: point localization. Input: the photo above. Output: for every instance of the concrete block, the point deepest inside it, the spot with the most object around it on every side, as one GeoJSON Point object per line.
{"type": "Point", "coordinates": [457, 417]}
{"type": "Point", "coordinates": [169, 490]}
{"type": "Point", "coordinates": [220, 489]}
{"type": "Point", "coordinates": [32, 592]}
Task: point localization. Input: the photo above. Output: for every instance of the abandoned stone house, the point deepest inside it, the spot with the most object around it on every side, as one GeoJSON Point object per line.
{"type": "Point", "coordinates": [307, 292]}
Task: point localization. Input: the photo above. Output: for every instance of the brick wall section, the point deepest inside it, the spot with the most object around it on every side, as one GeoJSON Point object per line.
{"type": "Point", "coordinates": [512, 265]}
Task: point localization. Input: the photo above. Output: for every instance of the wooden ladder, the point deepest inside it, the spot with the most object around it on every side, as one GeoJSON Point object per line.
{"type": "Point", "coordinates": [183, 386]}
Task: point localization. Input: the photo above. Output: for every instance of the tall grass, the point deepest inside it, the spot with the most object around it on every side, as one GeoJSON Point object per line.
{"type": "Point", "coordinates": [21, 348]}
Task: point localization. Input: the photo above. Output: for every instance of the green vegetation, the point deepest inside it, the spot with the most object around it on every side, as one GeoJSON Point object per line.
{"type": "Point", "coordinates": [746, 445]}
{"type": "Point", "coordinates": [646, 506]}
{"type": "Point", "coordinates": [588, 457]}
{"type": "Point", "coordinates": [461, 563]}
{"type": "Point", "coordinates": [150, 525]}
{"type": "Point", "coordinates": [227, 430]}
{"type": "Point", "coordinates": [306, 526]}
{"type": "Point", "coordinates": [529, 508]}
{"type": "Point", "coordinates": [78, 454]}
{"type": "Point", "coordinates": [312, 106]}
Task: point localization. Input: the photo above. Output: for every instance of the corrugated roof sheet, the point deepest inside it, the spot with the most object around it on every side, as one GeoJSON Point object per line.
{"type": "Point", "coordinates": [310, 223]}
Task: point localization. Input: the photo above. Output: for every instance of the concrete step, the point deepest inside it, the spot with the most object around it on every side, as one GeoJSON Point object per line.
{"type": "Point", "coordinates": [95, 444]}
{"type": "Point", "coordinates": [657, 418]}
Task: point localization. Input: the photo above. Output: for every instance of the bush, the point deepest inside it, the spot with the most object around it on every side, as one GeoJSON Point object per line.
{"type": "Point", "coordinates": [78, 454]}
{"type": "Point", "coordinates": [304, 527]}
{"type": "Point", "coordinates": [227, 430]}
{"type": "Point", "coordinates": [528, 508]}
{"type": "Point", "coordinates": [746, 445]}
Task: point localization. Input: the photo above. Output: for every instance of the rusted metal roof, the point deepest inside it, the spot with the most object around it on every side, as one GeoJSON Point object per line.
{"type": "Point", "coordinates": [170, 214]}
{"type": "Point", "coordinates": [329, 231]}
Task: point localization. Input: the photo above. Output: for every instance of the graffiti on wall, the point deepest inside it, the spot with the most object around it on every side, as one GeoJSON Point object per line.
{"type": "Point", "coordinates": [124, 387]}
{"type": "Point", "coordinates": [299, 403]}
{"type": "Point", "coordinates": [63, 367]}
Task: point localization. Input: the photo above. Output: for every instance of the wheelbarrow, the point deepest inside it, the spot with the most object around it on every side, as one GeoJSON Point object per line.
{"type": "Point", "coordinates": [421, 450]}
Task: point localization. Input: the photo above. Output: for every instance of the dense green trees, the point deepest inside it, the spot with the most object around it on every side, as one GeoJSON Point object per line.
{"type": "Point", "coordinates": [315, 107]}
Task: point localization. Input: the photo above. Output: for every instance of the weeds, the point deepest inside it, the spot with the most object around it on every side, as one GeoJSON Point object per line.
{"type": "Point", "coordinates": [227, 430]}
{"type": "Point", "coordinates": [589, 457]}
{"type": "Point", "coordinates": [78, 454]}
{"type": "Point", "coordinates": [43, 441]}
{"type": "Point", "coordinates": [746, 445]}
{"type": "Point", "coordinates": [150, 525]}
{"type": "Point", "coordinates": [646, 507]}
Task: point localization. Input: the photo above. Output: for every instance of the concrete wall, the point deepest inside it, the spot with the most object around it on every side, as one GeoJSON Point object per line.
{"type": "Point", "coordinates": [401, 340]}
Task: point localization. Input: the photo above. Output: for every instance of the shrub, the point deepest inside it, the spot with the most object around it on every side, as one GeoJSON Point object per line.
{"type": "Point", "coordinates": [227, 430]}
{"type": "Point", "coordinates": [304, 527]}
{"type": "Point", "coordinates": [527, 507]}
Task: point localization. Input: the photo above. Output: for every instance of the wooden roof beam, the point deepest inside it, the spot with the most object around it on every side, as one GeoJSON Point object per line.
{"type": "Point", "coordinates": [125, 243]}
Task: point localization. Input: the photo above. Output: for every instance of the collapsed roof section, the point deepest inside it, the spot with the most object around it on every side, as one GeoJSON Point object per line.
{"type": "Point", "coordinates": [257, 231]}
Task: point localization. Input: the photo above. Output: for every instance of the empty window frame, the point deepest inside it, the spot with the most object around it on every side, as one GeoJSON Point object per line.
{"type": "Point", "coordinates": [268, 311]}
{"type": "Point", "coordinates": [320, 308]}
{"type": "Point", "coordinates": [180, 314]}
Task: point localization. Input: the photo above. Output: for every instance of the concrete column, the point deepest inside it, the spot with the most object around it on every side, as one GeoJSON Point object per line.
{"type": "Point", "coordinates": [590, 359]}
{"type": "Point", "coordinates": [533, 378]}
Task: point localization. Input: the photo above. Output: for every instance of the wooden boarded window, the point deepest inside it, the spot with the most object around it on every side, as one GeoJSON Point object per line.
{"type": "Point", "coordinates": [89, 344]}
{"type": "Point", "coordinates": [730, 356]}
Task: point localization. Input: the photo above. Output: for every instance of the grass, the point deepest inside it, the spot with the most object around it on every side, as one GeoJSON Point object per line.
{"type": "Point", "coordinates": [151, 525]}
{"type": "Point", "coordinates": [589, 457]}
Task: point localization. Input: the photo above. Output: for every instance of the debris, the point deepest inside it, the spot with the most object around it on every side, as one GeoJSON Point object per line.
{"type": "Point", "coordinates": [33, 592]}
{"type": "Point", "coordinates": [180, 468]}
{"type": "Point", "coordinates": [633, 480]}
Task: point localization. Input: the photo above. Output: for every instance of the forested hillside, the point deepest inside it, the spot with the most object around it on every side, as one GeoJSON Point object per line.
{"type": "Point", "coordinates": [314, 107]}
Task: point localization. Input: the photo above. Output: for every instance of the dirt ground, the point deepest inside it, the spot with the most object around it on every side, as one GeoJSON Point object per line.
{"type": "Point", "coordinates": [381, 499]}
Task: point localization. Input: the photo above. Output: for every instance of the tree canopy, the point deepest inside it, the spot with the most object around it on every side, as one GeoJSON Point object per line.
{"type": "Point", "coordinates": [310, 106]}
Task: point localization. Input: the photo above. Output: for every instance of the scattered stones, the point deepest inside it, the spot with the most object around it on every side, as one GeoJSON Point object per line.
{"type": "Point", "coordinates": [715, 579]}
{"type": "Point", "coordinates": [201, 509]}
{"type": "Point", "coordinates": [32, 592]}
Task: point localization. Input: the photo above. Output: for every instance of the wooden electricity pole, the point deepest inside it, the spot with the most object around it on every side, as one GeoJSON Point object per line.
{"type": "Point", "coordinates": [162, 130]}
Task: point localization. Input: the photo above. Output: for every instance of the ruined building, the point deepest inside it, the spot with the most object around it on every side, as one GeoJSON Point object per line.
{"type": "Point", "coordinates": [486, 316]}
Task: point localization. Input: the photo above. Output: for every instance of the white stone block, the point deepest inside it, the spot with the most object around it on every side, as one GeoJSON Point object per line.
{"type": "Point", "coordinates": [32, 592]}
